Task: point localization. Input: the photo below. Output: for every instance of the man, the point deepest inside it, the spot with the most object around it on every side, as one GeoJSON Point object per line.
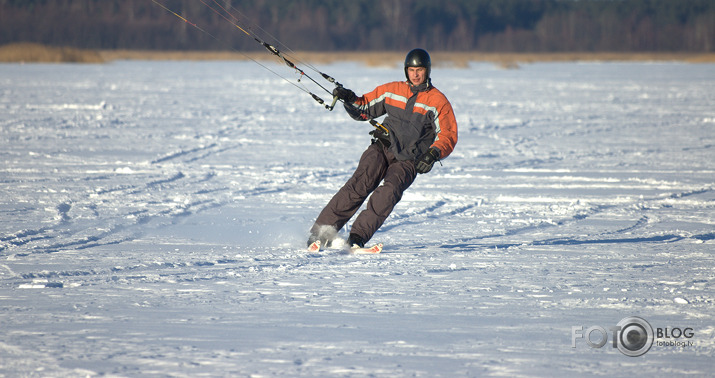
{"type": "Point", "coordinates": [420, 129]}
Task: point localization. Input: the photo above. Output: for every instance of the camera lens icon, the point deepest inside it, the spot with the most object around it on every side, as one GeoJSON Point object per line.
{"type": "Point", "coordinates": [635, 336]}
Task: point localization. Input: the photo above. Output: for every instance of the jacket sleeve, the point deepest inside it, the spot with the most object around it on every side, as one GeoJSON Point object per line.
{"type": "Point", "coordinates": [446, 128]}
{"type": "Point", "coordinates": [368, 106]}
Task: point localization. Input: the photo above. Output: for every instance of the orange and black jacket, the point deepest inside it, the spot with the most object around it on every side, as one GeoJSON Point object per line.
{"type": "Point", "coordinates": [417, 117]}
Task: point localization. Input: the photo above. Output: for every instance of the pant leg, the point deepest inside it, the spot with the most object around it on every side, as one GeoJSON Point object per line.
{"type": "Point", "coordinates": [346, 202]}
{"type": "Point", "coordinates": [398, 177]}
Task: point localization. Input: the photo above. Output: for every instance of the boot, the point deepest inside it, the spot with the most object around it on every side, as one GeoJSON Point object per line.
{"type": "Point", "coordinates": [355, 240]}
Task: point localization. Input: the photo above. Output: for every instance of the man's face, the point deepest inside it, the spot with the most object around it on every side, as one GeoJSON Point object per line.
{"type": "Point", "coordinates": [417, 75]}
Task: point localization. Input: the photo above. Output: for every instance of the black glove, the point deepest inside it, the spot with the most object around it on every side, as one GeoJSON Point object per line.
{"type": "Point", "coordinates": [344, 94]}
{"type": "Point", "coordinates": [425, 162]}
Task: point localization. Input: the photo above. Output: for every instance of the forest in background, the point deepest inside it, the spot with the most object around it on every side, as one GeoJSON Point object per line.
{"type": "Point", "coordinates": [368, 25]}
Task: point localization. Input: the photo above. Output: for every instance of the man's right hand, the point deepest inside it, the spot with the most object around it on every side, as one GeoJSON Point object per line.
{"type": "Point", "coordinates": [344, 94]}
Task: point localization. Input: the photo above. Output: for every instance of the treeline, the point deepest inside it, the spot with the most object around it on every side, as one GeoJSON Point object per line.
{"type": "Point", "coordinates": [447, 25]}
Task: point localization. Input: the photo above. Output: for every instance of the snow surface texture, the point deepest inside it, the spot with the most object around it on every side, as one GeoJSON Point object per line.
{"type": "Point", "coordinates": [154, 217]}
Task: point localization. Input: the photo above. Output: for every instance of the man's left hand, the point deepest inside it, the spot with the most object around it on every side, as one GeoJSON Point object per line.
{"type": "Point", "coordinates": [426, 161]}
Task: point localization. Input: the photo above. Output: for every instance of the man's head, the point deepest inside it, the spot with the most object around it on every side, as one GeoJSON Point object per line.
{"type": "Point", "coordinates": [418, 66]}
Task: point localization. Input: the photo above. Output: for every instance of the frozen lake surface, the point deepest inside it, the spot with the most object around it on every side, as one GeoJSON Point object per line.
{"type": "Point", "coordinates": [153, 217]}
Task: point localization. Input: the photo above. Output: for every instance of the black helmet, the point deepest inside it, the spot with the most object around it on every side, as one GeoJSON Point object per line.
{"type": "Point", "coordinates": [418, 58]}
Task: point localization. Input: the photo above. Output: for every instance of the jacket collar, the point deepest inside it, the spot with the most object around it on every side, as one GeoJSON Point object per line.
{"type": "Point", "coordinates": [424, 87]}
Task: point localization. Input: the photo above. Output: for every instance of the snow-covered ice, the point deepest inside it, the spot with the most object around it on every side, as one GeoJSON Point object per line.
{"type": "Point", "coordinates": [153, 218]}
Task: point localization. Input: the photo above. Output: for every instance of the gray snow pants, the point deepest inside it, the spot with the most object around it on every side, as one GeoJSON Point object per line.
{"type": "Point", "coordinates": [376, 164]}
